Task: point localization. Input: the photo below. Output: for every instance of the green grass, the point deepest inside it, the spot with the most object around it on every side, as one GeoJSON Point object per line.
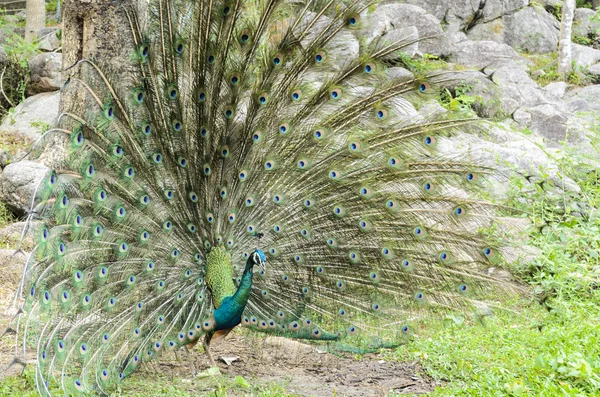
{"type": "Point", "coordinates": [142, 385]}
{"type": "Point", "coordinates": [548, 63]}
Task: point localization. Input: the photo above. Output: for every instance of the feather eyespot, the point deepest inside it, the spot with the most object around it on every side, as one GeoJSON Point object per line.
{"type": "Point", "coordinates": [269, 165]}
{"type": "Point", "coordinates": [284, 128]}
{"type": "Point", "coordinates": [263, 98]}
{"type": "Point", "coordinates": [381, 114]}
{"type": "Point", "coordinates": [354, 257]}
{"type": "Point", "coordinates": [277, 59]}
{"type": "Point", "coordinates": [296, 95]}
{"type": "Point", "coordinates": [176, 125]}
{"type": "Point", "coordinates": [339, 211]}
{"type": "Point", "coordinates": [144, 51]}
{"type": "Point", "coordinates": [353, 20]}
{"type": "Point", "coordinates": [429, 141]}
{"type": "Point", "coordinates": [245, 36]}
{"type": "Point", "coordinates": [423, 87]}
{"type": "Point", "coordinates": [235, 79]}
{"type": "Point", "coordinates": [172, 92]}
{"type": "Point", "coordinates": [369, 68]}
{"type": "Point", "coordinates": [336, 93]}
{"type": "Point", "coordinates": [459, 211]}
{"type": "Point", "coordinates": [138, 96]}
{"type": "Point", "coordinates": [109, 113]}
{"type": "Point", "coordinates": [320, 56]}
{"type": "Point", "coordinates": [354, 146]}
{"type": "Point", "coordinates": [231, 217]}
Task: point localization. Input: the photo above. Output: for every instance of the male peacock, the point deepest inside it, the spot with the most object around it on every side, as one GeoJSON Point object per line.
{"type": "Point", "coordinates": [258, 168]}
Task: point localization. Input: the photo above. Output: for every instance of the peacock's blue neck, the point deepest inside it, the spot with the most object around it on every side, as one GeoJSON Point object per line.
{"type": "Point", "coordinates": [229, 314]}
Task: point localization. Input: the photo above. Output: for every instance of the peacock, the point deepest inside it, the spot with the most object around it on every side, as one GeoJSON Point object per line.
{"type": "Point", "coordinates": [262, 164]}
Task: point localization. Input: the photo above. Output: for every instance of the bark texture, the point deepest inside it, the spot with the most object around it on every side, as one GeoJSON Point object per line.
{"type": "Point", "coordinates": [95, 30]}
{"type": "Point", "coordinates": [35, 19]}
{"type": "Point", "coordinates": [565, 64]}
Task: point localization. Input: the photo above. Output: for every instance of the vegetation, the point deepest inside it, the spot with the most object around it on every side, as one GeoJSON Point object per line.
{"type": "Point", "coordinates": [548, 65]}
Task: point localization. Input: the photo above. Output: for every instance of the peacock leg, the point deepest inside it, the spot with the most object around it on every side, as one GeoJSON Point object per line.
{"type": "Point", "coordinates": [206, 344]}
{"type": "Point", "coordinates": [190, 358]}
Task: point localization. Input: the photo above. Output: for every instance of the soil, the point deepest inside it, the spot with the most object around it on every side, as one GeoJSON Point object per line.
{"type": "Point", "coordinates": [307, 372]}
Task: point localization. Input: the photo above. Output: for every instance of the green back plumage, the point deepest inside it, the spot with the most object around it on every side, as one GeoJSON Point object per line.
{"type": "Point", "coordinates": [219, 275]}
{"type": "Point", "coordinates": [252, 124]}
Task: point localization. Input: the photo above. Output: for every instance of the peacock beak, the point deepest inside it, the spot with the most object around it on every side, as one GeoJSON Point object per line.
{"type": "Point", "coordinates": [263, 267]}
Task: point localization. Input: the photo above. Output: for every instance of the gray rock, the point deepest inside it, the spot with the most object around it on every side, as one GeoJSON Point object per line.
{"type": "Point", "coordinates": [483, 54]}
{"type": "Point", "coordinates": [550, 122]}
{"type": "Point", "coordinates": [46, 72]}
{"type": "Point", "coordinates": [518, 90]}
{"type": "Point", "coordinates": [558, 88]}
{"type": "Point", "coordinates": [11, 234]}
{"type": "Point", "coordinates": [532, 29]}
{"type": "Point", "coordinates": [584, 56]}
{"type": "Point", "coordinates": [522, 117]}
{"type": "Point", "coordinates": [586, 99]}
{"type": "Point", "coordinates": [459, 13]}
{"type": "Point", "coordinates": [32, 115]}
{"type": "Point", "coordinates": [18, 183]}
{"type": "Point", "coordinates": [399, 73]}
{"type": "Point", "coordinates": [594, 69]}
{"type": "Point", "coordinates": [389, 17]}
{"type": "Point", "coordinates": [526, 156]}
{"type": "Point", "coordinates": [408, 36]}
{"type": "Point", "coordinates": [12, 265]}
{"type": "Point", "coordinates": [48, 39]}
{"type": "Point", "coordinates": [493, 31]}
{"type": "Point", "coordinates": [584, 24]}
{"type": "Point", "coordinates": [4, 157]}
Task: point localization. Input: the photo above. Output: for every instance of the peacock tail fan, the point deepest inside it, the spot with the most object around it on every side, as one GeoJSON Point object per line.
{"type": "Point", "coordinates": [262, 124]}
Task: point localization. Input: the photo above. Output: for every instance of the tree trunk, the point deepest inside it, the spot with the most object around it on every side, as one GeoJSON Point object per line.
{"type": "Point", "coordinates": [35, 18]}
{"type": "Point", "coordinates": [95, 30]}
{"type": "Point", "coordinates": [565, 64]}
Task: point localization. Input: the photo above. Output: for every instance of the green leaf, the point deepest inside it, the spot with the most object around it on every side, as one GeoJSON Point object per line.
{"type": "Point", "coordinates": [241, 381]}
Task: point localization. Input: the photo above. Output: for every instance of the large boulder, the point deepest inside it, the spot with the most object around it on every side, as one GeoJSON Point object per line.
{"type": "Point", "coordinates": [390, 17]}
{"type": "Point", "coordinates": [458, 14]}
{"type": "Point", "coordinates": [484, 54]}
{"type": "Point", "coordinates": [584, 56]}
{"type": "Point", "coordinates": [46, 72]}
{"type": "Point", "coordinates": [585, 99]}
{"type": "Point", "coordinates": [18, 183]}
{"type": "Point", "coordinates": [532, 29]}
{"type": "Point", "coordinates": [10, 236]}
{"type": "Point", "coordinates": [48, 39]}
{"type": "Point", "coordinates": [32, 116]}
{"type": "Point", "coordinates": [584, 23]}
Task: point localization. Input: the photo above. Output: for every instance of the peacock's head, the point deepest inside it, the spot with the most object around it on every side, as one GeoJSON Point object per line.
{"type": "Point", "coordinates": [259, 259]}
